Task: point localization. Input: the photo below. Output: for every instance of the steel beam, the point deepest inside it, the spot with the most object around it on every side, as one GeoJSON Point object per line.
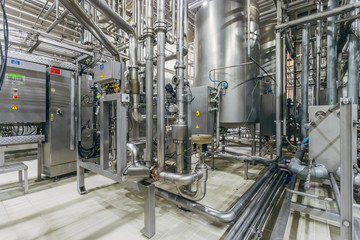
{"type": "Point", "coordinates": [346, 181]}
{"type": "Point", "coordinates": [314, 17]}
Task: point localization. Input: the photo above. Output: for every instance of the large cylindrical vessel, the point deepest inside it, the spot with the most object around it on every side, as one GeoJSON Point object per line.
{"type": "Point", "coordinates": [267, 56]}
{"type": "Point", "coordinates": [221, 40]}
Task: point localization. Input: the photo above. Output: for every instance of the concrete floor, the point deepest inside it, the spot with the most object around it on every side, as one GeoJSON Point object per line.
{"type": "Point", "coordinates": [54, 210]}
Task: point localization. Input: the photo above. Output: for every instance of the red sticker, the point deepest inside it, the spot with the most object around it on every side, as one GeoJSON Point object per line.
{"type": "Point", "coordinates": [55, 70]}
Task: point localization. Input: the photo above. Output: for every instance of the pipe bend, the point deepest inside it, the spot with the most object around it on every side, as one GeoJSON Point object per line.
{"type": "Point", "coordinates": [122, 24]}
{"type": "Point", "coordinates": [134, 150]}
{"type": "Point", "coordinates": [182, 179]}
{"type": "Point", "coordinates": [137, 116]}
{"type": "Point", "coordinates": [302, 171]}
{"type": "Point", "coordinates": [356, 177]}
{"type": "Point", "coordinates": [200, 187]}
{"type": "Point", "coordinates": [319, 172]}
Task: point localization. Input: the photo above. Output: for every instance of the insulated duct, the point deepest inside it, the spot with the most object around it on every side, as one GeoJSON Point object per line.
{"type": "Point", "coordinates": [356, 177]}
{"type": "Point", "coordinates": [302, 171]}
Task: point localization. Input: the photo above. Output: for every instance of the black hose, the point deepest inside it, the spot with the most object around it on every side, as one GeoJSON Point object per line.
{"type": "Point", "coordinates": [6, 45]}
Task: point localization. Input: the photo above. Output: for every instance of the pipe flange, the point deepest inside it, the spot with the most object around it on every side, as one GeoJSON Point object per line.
{"type": "Point", "coordinates": [160, 26]}
{"type": "Point", "coordinates": [134, 66]}
{"type": "Point", "coordinates": [149, 32]}
{"type": "Point", "coordinates": [177, 66]}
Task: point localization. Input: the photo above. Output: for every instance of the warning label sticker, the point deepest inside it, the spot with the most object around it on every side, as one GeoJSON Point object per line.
{"type": "Point", "coordinates": [14, 107]}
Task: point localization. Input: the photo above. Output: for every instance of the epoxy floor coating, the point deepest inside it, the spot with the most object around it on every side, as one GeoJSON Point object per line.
{"type": "Point", "coordinates": [54, 210]}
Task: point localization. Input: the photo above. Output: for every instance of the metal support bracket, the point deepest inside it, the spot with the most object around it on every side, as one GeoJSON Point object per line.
{"type": "Point", "coordinates": [348, 158]}
{"type": "Point", "coordinates": [149, 211]}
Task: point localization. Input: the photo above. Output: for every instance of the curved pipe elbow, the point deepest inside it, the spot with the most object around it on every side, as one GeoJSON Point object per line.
{"type": "Point", "coordinates": [302, 171]}
{"type": "Point", "coordinates": [356, 177]}
{"type": "Point", "coordinates": [134, 150]}
{"type": "Point", "coordinates": [319, 172]}
{"type": "Point", "coordinates": [194, 196]}
{"type": "Point", "coordinates": [357, 180]}
{"type": "Point", "coordinates": [135, 113]}
{"type": "Point", "coordinates": [170, 39]}
{"type": "Point", "coordinates": [181, 179]}
{"type": "Point", "coordinates": [200, 187]}
{"type": "Point", "coordinates": [141, 63]}
{"type": "Point", "coordinates": [137, 116]}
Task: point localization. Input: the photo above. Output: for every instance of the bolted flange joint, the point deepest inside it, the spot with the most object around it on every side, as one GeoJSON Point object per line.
{"type": "Point", "coordinates": [148, 32]}
{"type": "Point", "coordinates": [160, 26]}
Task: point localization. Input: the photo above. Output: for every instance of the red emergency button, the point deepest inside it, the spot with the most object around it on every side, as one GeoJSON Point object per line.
{"type": "Point", "coordinates": [15, 90]}
{"type": "Point", "coordinates": [197, 113]}
{"type": "Point", "coordinates": [15, 97]}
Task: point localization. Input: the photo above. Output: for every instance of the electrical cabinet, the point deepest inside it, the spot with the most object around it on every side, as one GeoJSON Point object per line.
{"type": "Point", "coordinates": [23, 94]}
{"type": "Point", "coordinates": [107, 72]}
{"type": "Point", "coordinates": [202, 115]}
{"type": "Point", "coordinates": [59, 154]}
{"type": "Point", "coordinates": [267, 116]}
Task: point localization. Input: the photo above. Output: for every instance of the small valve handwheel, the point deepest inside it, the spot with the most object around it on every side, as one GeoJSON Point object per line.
{"type": "Point", "coordinates": [155, 174]}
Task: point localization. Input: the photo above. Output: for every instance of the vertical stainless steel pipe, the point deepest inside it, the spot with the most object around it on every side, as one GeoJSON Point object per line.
{"type": "Point", "coordinates": [354, 52]}
{"type": "Point", "coordinates": [140, 29]}
{"type": "Point", "coordinates": [171, 37]}
{"type": "Point", "coordinates": [180, 65]}
{"type": "Point", "coordinates": [305, 78]}
{"type": "Point", "coordinates": [180, 93]}
{"type": "Point", "coordinates": [218, 125]}
{"type": "Point", "coordinates": [331, 70]}
{"type": "Point", "coordinates": [319, 33]}
{"type": "Point", "coordinates": [160, 28]}
{"type": "Point", "coordinates": [186, 41]}
{"type": "Point", "coordinates": [149, 78]}
{"type": "Point", "coordinates": [180, 157]}
{"type": "Point", "coordinates": [279, 83]}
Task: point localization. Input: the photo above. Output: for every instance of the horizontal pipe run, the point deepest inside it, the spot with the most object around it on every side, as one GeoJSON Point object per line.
{"type": "Point", "coordinates": [256, 159]}
{"type": "Point", "coordinates": [264, 214]}
{"type": "Point", "coordinates": [216, 215]}
{"type": "Point", "coordinates": [310, 195]}
{"type": "Point", "coordinates": [239, 228]}
{"type": "Point", "coordinates": [321, 15]}
{"type": "Point", "coordinates": [284, 213]}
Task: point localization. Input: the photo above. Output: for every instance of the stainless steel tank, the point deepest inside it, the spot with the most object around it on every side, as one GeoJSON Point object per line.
{"type": "Point", "coordinates": [221, 40]}
{"type": "Point", "coordinates": [268, 56]}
